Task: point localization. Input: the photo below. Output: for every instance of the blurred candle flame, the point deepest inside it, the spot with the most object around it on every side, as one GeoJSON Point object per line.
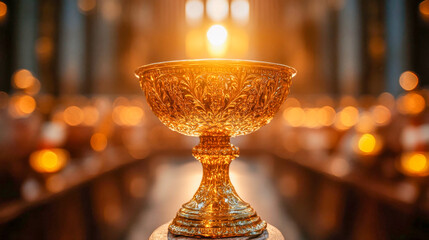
{"type": "Point", "coordinates": [217, 36]}
{"type": "Point", "coordinates": [347, 118]}
{"type": "Point", "coordinates": [311, 118]}
{"type": "Point", "coordinates": [23, 79]}
{"type": "Point", "coordinates": [73, 116]}
{"type": "Point", "coordinates": [424, 9]}
{"type": "Point", "coordinates": [294, 116]}
{"type": "Point", "coordinates": [49, 160]}
{"type": "Point", "coordinates": [367, 144]}
{"type": "Point", "coordinates": [381, 115]}
{"type": "Point", "coordinates": [3, 10]}
{"type": "Point", "coordinates": [415, 163]}
{"type": "Point", "coordinates": [411, 103]}
{"type": "Point", "coordinates": [98, 142]}
{"type": "Point", "coordinates": [91, 115]}
{"type": "Point", "coordinates": [326, 116]}
{"type": "Point", "coordinates": [124, 115]}
{"type": "Point", "coordinates": [366, 123]}
{"type": "Point", "coordinates": [21, 106]}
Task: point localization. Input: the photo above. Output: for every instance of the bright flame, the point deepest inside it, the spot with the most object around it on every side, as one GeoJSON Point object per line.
{"type": "Point", "coordinates": [49, 160]}
{"type": "Point", "coordinates": [217, 10]}
{"type": "Point", "coordinates": [21, 106]}
{"type": "Point", "coordinates": [240, 11]}
{"type": "Point", "coordinates": [194, 11]}
{"type": "Point", "coordinates": [408, 80]}
{"type": "Point", "coordinates": [411, 103]}
{"type": "Point", "coordinates": [73, 116]}
{"type": "Point", "coordinates": [415, 163]}
{"type": "Point", "coordinates": [217, 35]}
{"type": "Point", "coordinates": [98, 142]}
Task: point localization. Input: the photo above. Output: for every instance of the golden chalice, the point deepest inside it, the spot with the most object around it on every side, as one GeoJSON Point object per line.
{"type": "Point", "coordinates": [215, 100]}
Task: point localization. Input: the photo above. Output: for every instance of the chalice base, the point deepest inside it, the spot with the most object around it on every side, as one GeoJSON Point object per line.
{"type": "Point", "coordinates": [271, 233]}
{"type": "Point", "coordinates": [242, 222]}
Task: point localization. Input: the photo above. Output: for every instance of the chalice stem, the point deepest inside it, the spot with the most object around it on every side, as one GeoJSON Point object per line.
{"type": "Point", "coordinates": [216, 210]}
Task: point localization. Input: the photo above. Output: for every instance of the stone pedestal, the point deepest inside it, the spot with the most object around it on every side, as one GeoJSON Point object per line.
{"type": "Point", "coordinates": [271, 233]}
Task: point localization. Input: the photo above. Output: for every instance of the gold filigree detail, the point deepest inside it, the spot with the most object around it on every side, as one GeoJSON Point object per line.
{"type": "Point", "coordinates": [203, 97]}
{"type": "Point", "coordinates": [216, 100]}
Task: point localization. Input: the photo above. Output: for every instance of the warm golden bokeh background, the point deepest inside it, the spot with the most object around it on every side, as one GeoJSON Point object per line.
{"type": "Point", "coordinates": [82, 156]}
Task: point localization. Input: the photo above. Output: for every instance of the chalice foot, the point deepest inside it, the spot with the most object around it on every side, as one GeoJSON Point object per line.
{"type": "Point", "coordinates": [271, 233]}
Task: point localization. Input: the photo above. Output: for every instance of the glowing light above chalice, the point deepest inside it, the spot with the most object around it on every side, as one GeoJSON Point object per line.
{"type": "Point", "coordinates": [215, 100]}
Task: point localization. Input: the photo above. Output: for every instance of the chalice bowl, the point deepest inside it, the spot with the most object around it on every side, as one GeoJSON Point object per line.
{"type": "Point", "coordinates": [215, 99]}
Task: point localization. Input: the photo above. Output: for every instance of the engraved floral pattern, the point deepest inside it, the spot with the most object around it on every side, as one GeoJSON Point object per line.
{"type": "Point", "coordinates": [221, 97]}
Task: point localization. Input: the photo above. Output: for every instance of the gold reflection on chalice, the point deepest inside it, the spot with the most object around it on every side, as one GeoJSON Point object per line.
{"type": "Point", "coordinates": [215, 100]}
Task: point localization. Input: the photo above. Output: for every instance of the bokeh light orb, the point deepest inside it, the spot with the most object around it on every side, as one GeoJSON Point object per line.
{"type": "Point", "coordinates": [49, 160]}
{"type": "Point", "coordinates": [21, 106]}
{"type": "Point", "coordinates": [415, 163]}
{"type": "Point", "coordinates": [217, 35]}
{"type": "Point", "coordinates": [73, 116]}
{"type": "Point", "coordinates": [408, 80]}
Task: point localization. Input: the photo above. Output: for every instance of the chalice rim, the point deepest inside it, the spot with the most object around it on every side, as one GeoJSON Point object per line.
{"type": "Point", "coordinates": [195, 62]}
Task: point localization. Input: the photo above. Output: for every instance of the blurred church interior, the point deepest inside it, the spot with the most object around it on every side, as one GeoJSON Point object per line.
{"type": "Point", "coordinates": [83, 157]}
